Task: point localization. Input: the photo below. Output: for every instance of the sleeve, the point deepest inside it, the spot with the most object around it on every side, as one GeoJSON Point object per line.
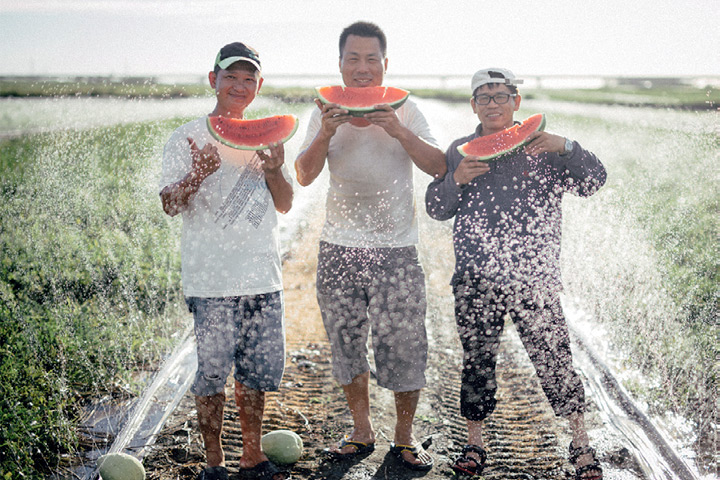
{"type": "Point", "coordinates": [443, 195]}
{"type": "Point", "coordinates": [411, 116]}
{"type": "Point", "coordinates": [313, 128]}
{"type": "Point", "coordinates": [583, 173]}
{"type": "Point", "coordinates": [176, 161]}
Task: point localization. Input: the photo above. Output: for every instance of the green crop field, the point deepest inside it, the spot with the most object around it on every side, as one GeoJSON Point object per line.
{"type": "Point", "coordinates": [89, 267]}
{"type": "Point", "coordinates": [88, 281]}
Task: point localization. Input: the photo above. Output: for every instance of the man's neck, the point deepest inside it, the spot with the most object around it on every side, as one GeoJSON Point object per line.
{"type": "Point", "coordinates": [239, 114]}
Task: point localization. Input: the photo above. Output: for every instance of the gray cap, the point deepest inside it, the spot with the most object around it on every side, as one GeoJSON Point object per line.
{"type": "Point", "coordinates": [482, 77]}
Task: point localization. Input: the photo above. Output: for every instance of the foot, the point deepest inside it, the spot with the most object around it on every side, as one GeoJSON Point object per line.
{"type": "Point", "coordinates": [213, 473]}
{"type": "Point", "coordinates": [353, 445]}
{"type": "Point", "coordinates": [471, 461]}
{"type": "Point", "coordinates": [587, 466]}
{"type": "Point", "coordinates": [414, 457]}
{"type": "Point", "coordinates": [265, 470]}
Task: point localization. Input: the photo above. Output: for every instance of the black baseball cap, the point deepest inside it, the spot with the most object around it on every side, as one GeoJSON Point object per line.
{"type": "Point", "coordinates": [237, 52]}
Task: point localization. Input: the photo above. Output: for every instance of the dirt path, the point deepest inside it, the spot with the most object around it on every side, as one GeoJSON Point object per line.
{"type": "Point", "coordinates": [525, 440]}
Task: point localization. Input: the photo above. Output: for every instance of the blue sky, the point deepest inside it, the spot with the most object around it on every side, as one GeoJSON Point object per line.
{"type": "Point", "coordinates": [154, 37]}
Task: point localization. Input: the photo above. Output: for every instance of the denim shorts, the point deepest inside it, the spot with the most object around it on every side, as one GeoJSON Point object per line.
{"type": "Point", "coordinates": [247, 332]}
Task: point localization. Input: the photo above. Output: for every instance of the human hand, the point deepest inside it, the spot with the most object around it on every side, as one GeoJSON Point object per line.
{"type": "Point", "coordinates": [271, 163]}
{"type": "Point", "coordinates": [540, 142]}
{"type": "Point", "coordinates": [469, 168]}
{"type": "Point", "coordinates": [332, 117]}
{"type": "Point", "coordinates": [205, 161]}
{"type": "Point", "coordinates": [384, 116]}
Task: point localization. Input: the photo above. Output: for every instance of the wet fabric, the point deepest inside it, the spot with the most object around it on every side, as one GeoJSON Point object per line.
{"type": "Point", "coordinates": [246, 332]}
{"type": "Point", "coordinates": [229, 242]}
{"type": "Point", "coordinates": [508, 222]}
{"type": "Point", "coordinates": [370, 201]}
{"type": "Point", "coordinates": [480, 316]}
{"type": "Point", "coordinates": [378, 292]}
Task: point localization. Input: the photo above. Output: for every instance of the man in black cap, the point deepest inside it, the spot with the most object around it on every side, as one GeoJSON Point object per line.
{"type": "Point", "coordinates": [507, 231]}
{"type": "Point", "coordinates": [231, 270]}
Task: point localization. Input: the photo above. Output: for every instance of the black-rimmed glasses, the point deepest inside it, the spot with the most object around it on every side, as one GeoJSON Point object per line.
{"type": "Point", "coordinates": [498, 98]}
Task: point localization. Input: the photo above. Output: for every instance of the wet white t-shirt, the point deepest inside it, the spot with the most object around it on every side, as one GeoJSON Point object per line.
{"type": "Point", "coordinates": [229, 242]}
{"type": "Point", "coordinates": [370, 201]}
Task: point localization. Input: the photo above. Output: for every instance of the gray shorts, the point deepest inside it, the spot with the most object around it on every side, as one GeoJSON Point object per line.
{"type": "Point", "coordinates": [247, 332]}
{"type": "Point", "coordinates": [378, 290]}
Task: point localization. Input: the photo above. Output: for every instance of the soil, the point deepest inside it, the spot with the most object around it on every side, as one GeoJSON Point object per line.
{"type": "Point", "coordinates": [524, 439]}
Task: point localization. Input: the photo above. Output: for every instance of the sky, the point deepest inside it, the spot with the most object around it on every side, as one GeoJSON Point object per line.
{"type": "Point", "coordinates": [452, 37]}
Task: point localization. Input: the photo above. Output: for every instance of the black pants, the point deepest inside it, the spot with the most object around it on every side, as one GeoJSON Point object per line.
{"type": "Point", "coordinates": [480, 315]}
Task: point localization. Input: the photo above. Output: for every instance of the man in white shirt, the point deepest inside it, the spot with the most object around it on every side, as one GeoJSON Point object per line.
{"type": "Point", "coordinates": [369, 277]}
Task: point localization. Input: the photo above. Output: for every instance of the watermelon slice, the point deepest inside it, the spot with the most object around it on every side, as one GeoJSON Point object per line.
{"type": "Point", "coordinates": [361, 100]}
{"type": "Point", "coordinates": [256, 134]}
{"type": "Point", "coordinates": [490, 147]}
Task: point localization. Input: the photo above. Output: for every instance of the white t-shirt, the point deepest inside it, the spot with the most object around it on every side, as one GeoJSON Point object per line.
{"type": "Point", "coordinates": [370, 201]}
{"type": "Point", "coordinates": [229, 242]}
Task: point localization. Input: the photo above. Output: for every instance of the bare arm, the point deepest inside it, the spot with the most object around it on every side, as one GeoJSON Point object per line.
{"type": "Point", "coordinates": [176, 197]}
{"type": "Point", "coordinates": [427, 157]}
{"type": "Point", "coordinates": [280, 189]}
{"type": "Point", "coordinates": [311, 162]}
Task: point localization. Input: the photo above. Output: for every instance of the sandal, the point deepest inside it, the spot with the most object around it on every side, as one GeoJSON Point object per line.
{"type": "Point", "coordinates": [593, 466]}
{"type": "Point", "coordinates": [416, 451]}
{"type": "Point", "coordinates": [264, 471]}
{"type": "Point", "coordinates": [360, 449]}
{"type": "Point", "coordinates": [213, 473]}
{"type": "Point", "coordinates": [477, 465]}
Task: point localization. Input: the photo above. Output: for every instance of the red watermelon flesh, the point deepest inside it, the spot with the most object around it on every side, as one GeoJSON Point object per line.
{"type": "Point", "coordinates": [489, 147]}
{"type": "Point", "coordinates": [361, 100]}
{"type": "Point", "coordinates": [255, 134]}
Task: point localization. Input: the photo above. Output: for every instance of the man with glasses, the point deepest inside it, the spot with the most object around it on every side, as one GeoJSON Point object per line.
{"type": "Point", "coordinates": [507, 235]}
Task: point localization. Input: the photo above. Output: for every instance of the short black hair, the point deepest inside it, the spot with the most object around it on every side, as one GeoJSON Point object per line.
{"type": "Point", "coordinates": [364, 29]}
{"type": "Point", "coordinates": [513, 88]}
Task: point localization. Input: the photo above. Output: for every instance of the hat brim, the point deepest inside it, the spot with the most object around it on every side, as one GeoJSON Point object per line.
{"type": "Point", "coordinates": [226, 62]}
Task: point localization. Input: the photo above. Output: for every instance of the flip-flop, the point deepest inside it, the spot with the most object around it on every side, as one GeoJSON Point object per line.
{"type": "Point", "coordinates": [360, 449]}
{"type": "Point", "coordinates": [263, 471]}
{"type": "Point", "coordinates": [398, 450]}
{"type": "Point", "coordinates": [213, 473]}
{"type": "Point", "coordinates": [470, 470]}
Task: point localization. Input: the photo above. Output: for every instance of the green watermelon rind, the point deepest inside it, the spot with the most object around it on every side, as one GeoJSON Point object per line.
{"type": "Point", "coordinates": [496, 155]}
{"type": "Point", "coordinates": [360, 111]}
{"type": "Point", "coordinates": [224, 141]}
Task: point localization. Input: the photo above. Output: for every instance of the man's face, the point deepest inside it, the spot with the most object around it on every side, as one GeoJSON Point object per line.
{"type": "Point", "coordinates": [494, 117]}
{"type": "Point", "coordinates": [362, 63]}
{"type": "Point", "coordinates": [236, 87]}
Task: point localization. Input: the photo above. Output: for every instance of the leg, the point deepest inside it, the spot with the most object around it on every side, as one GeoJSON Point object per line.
{"type": "Point", "coordinates": [251, 406]}
{"type": "Point", "coordinates": [545, 335]}
{"type": "Point", "coordinates": [343, 306]}
{"type": "Point", "coordinates": [357, 394]}
{"type": "Point", "coordinates": [397, 306]}
{"type": "Point", "coordinates": [259, 367]}
{"type": "Point", "coordinates": [581, 455]}
{"type": "Point", "coordinates": [472, 459]}
{"type": "Point", "coordinates": [479, 315]}
{"type": "Point", "coordinates": [210, 419]}
{"type": "Point", "coordinates": [215, 348]}
{"type": "Point", "coordinates": [405, 407]}
{"type": "Point", "coordinates": [475, 430]}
